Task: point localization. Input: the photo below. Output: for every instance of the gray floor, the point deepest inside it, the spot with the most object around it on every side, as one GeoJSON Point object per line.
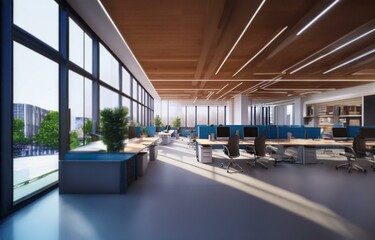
{"type": "Point", "coordinates": [179, 198]}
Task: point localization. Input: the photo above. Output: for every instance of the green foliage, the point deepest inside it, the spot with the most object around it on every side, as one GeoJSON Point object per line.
{"type": "Point", "coordinates": [177, 122]}
{"type": "Point", "coordinates": [48, 133]}
{"type": "Point", "coordinates": [74, 141]}
{"type": "Point", "coordinates": [87, 128]}
{"type": "Point", "coordinates": [113, 125]}
{"type": "Point", "coordinates": [133, 124]}
{"type": "Point", "coordinates": [158, 122]}
{"type": "Point", "coordinates": [144, 130]}
{"type": "Point", "coordinates": [18, 132]}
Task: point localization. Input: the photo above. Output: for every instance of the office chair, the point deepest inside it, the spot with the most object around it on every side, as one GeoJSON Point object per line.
{"type": "Point", "coordinates": [232, 150]}
{"type": "Point", "coordinates": [259, 150]}
{"type": "Point", "coordinates": [358, 150]}
{"type": "Point", "coordinates": [192, 140]}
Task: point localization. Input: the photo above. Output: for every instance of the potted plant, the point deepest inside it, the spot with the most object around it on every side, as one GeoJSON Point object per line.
{"type": "Point", "coordinates": [132, 126]}
{"type": "Point", "coordinates": [143, 132]}
{"type": "Point", "coordinates": [113, 126]}
{"type": "Point", "coordinates": [158, 123]}
{"type": "Point", "coordinates": [177, 124]}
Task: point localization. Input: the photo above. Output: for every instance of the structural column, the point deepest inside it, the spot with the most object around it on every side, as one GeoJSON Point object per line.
{"type": "Point", "coordinates": [241, 110]}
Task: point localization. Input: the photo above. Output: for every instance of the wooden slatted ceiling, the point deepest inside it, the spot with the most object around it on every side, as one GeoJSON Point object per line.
{"type": "Point", "coordinates": [187, 40]}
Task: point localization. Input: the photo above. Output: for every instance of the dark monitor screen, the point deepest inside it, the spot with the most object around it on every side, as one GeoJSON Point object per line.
{"type": "Point", "coordinates": [339, 133]}
{"type": "Point", "coordinates": [367, 133]}
{"type": "Point", "coordinates": [250, 132]}
{"type": "Point", "coordinates": [222, 132]}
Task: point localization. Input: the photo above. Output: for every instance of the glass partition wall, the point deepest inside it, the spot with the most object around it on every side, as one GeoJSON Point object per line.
{"type": "Point", "coordinates": [61, 76]}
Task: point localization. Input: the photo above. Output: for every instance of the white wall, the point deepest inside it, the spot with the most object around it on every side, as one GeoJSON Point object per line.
{"type": "Point", "coordinates": [340, 94]}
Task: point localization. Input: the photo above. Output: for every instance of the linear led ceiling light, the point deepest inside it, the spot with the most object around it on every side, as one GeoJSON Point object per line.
{"type": "Point", "coordinates": [261, 50]}
{"type": "Point", "coordinates": [334, 50]}
{"type": "Point", "coordinates": [317, 17]}
{"type": "Point", "coordinates": [210, 94]}
{"type": "Point", "coordinates": [351, 60]}
{"type": "Point", "coordinates": [239, 38]}
{"type": "Point", "coordinates": [299, 89]}
{"type": "Point", "coordinates": [229, 91]}
{"type": "Point", "coordinates": [222, 88]}
{"type": "Point", "coordinates": [195, 99]}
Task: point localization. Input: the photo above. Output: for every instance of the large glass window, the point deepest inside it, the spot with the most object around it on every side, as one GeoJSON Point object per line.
{"type": "Point", "coordinates": [109, 68]}
{"type": "Point", "coordinates": [40, 18]}
{"type": "Point", "coordinates": [126, 80]}
{"type": "Point", "coordinates": [35, 122]}
{"type": "Point", "coordinates": [135, 111]}
{"type": "Point", "coordinates": [80, 47]}
{"type": "Point", "coordinates": [213, 115]}
{"type": "Point", "coordinates": [126, 103]}
{"type": "Point", "coordinates": [221, 115]}
{"type": "Point", "coordinates": [80, 105]}
{"type": "Point", "coordinates": [135, 90]}
{"type": "Point", "coordinates": [190, 116]}
{"type": "Point", "coordinates": [108, 99]}
{"type": "Point", "coordinates": [202, 118]}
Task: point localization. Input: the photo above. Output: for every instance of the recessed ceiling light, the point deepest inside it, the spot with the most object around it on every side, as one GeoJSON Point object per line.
{"type": "Point", "coordinates": [239, 38]}
{"type": "Point", "coordinates": [317, 17]}
{"type": "Point", "coordinates": [261, 50]}
{"type": "Point", "coordinates": [334, 50]}
{"type": "Point", "coordinates": [351, 60]}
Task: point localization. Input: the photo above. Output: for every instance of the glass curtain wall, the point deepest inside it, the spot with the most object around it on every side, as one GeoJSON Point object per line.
{"type": "Point", "coordinates": [35, 121]}
{"type": "Point", "coordinates": [35, 115]}
{"type": "Point", "coordinates": [37, 61]}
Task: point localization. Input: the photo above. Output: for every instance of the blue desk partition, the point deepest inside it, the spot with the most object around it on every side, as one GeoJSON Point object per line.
{"type": "Point", "coordinates": [137, 131]}
{"type": "Point", "coordinates": [197, 130]}
{"type": "Point", "coordinates": [234, 128]}
{"type": "Point", "coordinates": [352, 131]}
{"type": "Point", "coordinates": [151, 131]}
{"type": "Point", "coordinates": [205, 131]}
{"type": "Point", "coordinates": [272, 132]}
{"type": "Point", "coordinates": [297, 132]}
{"type": "Point", "coordinates": [312, 132]}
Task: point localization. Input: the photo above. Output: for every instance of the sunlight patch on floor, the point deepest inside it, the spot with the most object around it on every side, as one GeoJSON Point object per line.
{"type": "Point", "coordinates": [184, 158]}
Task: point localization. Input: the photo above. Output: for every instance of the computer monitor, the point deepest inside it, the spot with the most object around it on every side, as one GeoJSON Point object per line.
{"type": "Point", "coordinates": [367, 133]}
{"type": "Point", "coordinates": [222, 133]}
{"type": "Point", "coordinates": [339, 133]}
{"type": "Point", "coordinates": [250, 133]}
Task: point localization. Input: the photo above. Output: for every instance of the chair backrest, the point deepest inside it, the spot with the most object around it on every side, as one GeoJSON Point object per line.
{"type": "Point", "coordinates": [260, 145]}
{"type": "Point", "coordinates": [234, 146]}
{"type": "Point", "coordinates": [359, 145]}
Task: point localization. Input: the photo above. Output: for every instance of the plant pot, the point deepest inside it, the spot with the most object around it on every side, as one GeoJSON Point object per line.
{"type": "Point", "coordinates": [158, 129]}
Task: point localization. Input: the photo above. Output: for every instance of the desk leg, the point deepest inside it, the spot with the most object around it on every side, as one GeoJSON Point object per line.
{"type": "Point", "coordinates": [153, 152]}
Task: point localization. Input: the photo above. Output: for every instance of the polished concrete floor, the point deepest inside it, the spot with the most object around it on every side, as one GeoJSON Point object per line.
{"type": "Point", "coordinates": [180, 198]}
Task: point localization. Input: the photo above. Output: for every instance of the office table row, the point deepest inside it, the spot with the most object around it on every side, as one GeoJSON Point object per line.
{"type": "Point", "coordinates": [306, 148]}
{"type": "Point", "coordinates": [89, 169]}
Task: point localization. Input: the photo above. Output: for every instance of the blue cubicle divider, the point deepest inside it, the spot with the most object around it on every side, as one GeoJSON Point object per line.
{"type": "Point", "coordinates": [352, 131]}
{"type": "Point", "coordinates": [234, 128]}
{"type": "Point", "coordinates": [137, 131]}
{"type": "Point", "coordinates": [312, 132]}
{"type": "Point", "coordinates": [297, 132]}
{"type": "Point", "coordinates": [205, 131]}
{"type": "Point", "coordinates": [151, 131]}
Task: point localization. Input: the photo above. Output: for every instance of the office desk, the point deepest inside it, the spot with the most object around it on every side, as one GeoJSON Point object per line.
{"type": "Point", "coordinates": [89, 169]}
{"type": "Point", "coordinates": [306, 147]}
{"type": "Point", "coordinates": [166, 137]}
